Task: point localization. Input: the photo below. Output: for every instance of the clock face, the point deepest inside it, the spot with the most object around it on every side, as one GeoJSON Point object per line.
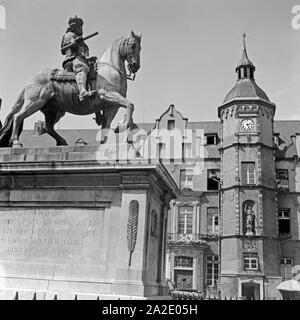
{"type": "Point", "coordinates": [247, 124]}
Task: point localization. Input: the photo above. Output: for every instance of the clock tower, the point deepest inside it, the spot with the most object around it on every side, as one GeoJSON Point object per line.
{"type": "Point", "coordinates": [250, 260]}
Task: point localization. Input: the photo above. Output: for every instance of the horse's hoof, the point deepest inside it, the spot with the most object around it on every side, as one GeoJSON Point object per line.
{"type": "Point", "coordinates": [63, 143]}
{"type": "Point", "coordinates": [16, 144]}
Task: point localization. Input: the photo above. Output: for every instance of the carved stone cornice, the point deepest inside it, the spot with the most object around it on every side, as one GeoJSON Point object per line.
{"type": "Point", "coordinates": [255, 108]}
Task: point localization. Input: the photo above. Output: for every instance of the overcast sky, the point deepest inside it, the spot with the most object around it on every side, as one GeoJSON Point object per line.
{"type": "Point", "coordinates": [190, 49]}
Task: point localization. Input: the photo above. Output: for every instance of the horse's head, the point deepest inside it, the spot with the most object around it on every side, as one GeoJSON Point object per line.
{"type": "Point", "coordinates": [131, 51]}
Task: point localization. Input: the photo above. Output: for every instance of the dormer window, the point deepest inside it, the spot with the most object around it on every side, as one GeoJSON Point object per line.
{"type": "Point", "coordinates": [171, 124]}
{"type": "Point", "coordinates": [211, 139]}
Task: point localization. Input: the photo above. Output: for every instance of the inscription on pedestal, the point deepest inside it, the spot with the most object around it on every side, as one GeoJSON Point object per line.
{"type": "Point", "coordinates": [51, 234]}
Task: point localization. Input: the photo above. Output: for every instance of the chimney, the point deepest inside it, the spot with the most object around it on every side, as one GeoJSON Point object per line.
{"type": "Point", "coordinates": [293, 138]}
{"type": "Point", "coordinates": [39, 128]}
{"type": "Point", "coordinates": [297, 143]}
{"type": "Point", "coordinates": [172, 110]}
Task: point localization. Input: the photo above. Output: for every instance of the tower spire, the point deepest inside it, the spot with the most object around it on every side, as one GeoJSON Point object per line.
{"type": "Point", "coordinates": [245, 86]}
{"type": "Point", "coordinates": [245, 68]}
{"type": "Point", "coordinates": [244, 41]}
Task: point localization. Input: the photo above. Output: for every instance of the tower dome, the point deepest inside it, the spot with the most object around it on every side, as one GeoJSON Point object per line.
{"type": "Point", "coordinates": [245, 86]}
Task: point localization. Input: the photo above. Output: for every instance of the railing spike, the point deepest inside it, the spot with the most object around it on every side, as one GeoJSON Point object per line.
{"type": "Point", "coordinates": [34, 296]}
{"type": "Point", "coordinates": [16, 296]}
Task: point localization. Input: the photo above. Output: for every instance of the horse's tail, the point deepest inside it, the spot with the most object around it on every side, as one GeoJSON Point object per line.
{"type": "Point", "coordinates": [6, 130]}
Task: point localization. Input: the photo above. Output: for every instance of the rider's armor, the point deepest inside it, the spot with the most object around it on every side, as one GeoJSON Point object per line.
{"type": "Point", "coordinates": [76, 59]}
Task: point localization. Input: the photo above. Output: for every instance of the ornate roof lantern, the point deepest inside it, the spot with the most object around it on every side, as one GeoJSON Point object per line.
{"type": "Point", "coordinates": [246, 86]}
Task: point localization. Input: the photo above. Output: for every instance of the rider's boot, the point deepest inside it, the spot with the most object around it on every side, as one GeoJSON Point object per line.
{"type": "Point", "coordinates": [81, 82]}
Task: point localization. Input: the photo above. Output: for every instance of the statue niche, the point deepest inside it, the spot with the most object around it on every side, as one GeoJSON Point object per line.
{"type": "Point", "coordinates": [249, 218]}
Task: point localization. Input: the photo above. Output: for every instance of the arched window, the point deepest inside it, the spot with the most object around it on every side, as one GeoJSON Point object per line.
{"type": "Point", "coordinates": [185, 220]}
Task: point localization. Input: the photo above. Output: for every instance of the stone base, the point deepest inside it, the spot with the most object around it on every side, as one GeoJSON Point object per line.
{"type": "Point", "coordinates": [68, 225]}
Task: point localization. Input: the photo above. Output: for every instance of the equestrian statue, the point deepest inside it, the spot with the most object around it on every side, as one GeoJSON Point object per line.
{"type": "Point", "coordinates": [87, 85]}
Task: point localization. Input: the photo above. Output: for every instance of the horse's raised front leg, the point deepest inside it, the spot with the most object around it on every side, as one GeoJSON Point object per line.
{"type": "Point", "coordinates": [116, 98]}
{"type": "Point", "coordinates": [51, 118]}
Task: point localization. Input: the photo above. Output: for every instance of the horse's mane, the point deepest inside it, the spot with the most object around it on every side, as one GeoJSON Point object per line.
{"type": "Point", "coordinates": [122, 42]}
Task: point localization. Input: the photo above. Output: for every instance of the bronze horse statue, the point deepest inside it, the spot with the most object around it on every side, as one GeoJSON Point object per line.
{"type": "Point", "coordinates": [55, 98]}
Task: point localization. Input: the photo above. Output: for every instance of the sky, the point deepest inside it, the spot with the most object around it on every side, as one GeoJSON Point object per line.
{"type": "Point", "coordinates": [190, 49]}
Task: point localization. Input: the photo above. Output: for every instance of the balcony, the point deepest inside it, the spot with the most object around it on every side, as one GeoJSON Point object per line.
{"type": "Point", "coordinates": [194, 240]}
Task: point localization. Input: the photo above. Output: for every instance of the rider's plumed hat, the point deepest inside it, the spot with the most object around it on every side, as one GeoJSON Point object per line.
{"type": "Point", "coordinates": [75, 21]}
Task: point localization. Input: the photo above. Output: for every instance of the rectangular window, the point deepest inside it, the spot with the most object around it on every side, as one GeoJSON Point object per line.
{"type": "Point", "coordinates": [250, 261]}
{"type": "Point", "coordinates": [286, 266]}
{"type": "Point", "coordinates": [183, 262]}
{"type": "Point", "coordinates": [284, 222]}
{"type": "Point", "coordinates": [282, 179]}
{"type": "Point", "coordinates": [171, 124]}
{"type": "Point", "coordinates": [211, 139]}
{"type": "Point", "coordinates": [213, 179]}
{"type": "Point", "coordinates": [212, 270]}
{"type": "Point", "coordinates": [212, 220]}
{"type": "Point", "coordinates": [186, 151]}
{"type": "Point", "coordinates": [161, 153]}
{"type": "Point", "coordinates": [186, 179]}
{"type": "Point", "coordinates": [185, 220]}
{"type": "Point", "coordinates": [215, 225]}
{"type": "Point", "coordinates": [248, 173]}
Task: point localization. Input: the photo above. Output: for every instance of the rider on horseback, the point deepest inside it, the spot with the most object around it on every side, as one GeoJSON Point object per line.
{"type": "Point", "coordinates": [76, 59]}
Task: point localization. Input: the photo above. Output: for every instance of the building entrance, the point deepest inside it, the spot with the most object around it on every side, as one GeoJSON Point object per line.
{"type": "Point", "coordinates": [251, 291]}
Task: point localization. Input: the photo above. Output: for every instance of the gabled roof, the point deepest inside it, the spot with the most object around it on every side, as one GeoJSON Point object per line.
{"type": "Point", "coordinates": [287, 148]}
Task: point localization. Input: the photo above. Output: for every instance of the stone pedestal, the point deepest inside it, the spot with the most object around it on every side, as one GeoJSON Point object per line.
{"type": "Point", "coordinates": [68, 223]}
